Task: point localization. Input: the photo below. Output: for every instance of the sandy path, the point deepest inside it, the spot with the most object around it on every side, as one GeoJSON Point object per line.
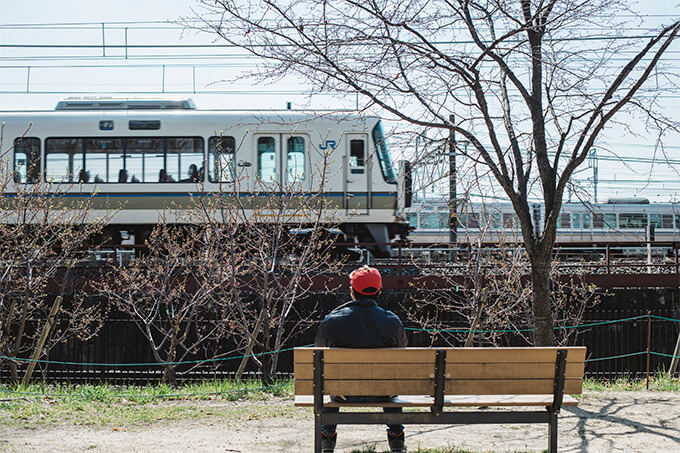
{"type": "Point", "coordinates": [603, 422]}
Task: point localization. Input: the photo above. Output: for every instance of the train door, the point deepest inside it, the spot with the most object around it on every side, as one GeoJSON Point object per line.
{"type": "Point", "coordinates": [281, 162]}
{"type": "Point", "coordinates": [223, 166]}
{"type": "Point", "coordinates": [357, 175]}
{"type": "Point", "coordinates": [295, 175]}
{"type": "Point", "coordinates": [267, 162]}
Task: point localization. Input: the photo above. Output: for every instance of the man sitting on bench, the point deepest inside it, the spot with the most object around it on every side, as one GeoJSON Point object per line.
{"type": "Point", "coordinates": [360, 323]}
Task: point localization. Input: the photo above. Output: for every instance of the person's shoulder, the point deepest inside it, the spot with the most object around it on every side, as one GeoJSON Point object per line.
{"type": "Point", "coordinates": [338, 311]}
{"type": "Point", "coordinates": [391, 315]}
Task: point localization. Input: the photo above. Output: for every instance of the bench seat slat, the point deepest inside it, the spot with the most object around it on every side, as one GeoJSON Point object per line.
{"type": "Point", "coordinates": [509, 386]}
{"type": "Point", "coordinates": [426, 355]}
{"type": "Point", "coordinates": [375, 355]}
{"type": "Point", "coordinates": [400, 401]}
{"type": "Point", "coordinates": [368, 387]}
{"type": "Point", "coordinates": [424, 371]}
{"type": "Point", "coordinates": [367, 371]}
{"type": "Point", "coordinates": [449, 401]}
{"type": "Point", "coordinates": [426, 386]}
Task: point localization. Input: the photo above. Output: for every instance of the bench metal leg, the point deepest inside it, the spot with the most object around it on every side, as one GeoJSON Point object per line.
{"type": "Point", "coordinates": [552, 433]}
{"type": "Point", "coordinates": [318, 399]}
{"type": "Point", "coordinates": [318, 435]}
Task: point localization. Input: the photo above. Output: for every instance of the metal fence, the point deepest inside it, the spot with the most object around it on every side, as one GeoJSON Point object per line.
{"type": "Point", "coordinates": [631, 333]}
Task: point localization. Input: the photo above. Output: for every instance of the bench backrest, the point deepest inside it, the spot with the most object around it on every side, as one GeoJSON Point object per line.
{"type": "Point", "coordinates": [411, 371]}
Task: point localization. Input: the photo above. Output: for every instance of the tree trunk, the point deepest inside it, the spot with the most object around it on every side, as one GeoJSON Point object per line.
{"type": "Point", "coordinates": [540, 285]}
{"type": "Point", "coordinates": [13, 372]}
{"type": "Point", "coordinates": [265, 371]}
{"type": "Point", "coordinates": [169, 375]}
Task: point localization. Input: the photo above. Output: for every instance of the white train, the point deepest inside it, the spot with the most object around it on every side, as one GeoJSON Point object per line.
{"type": "Point", "coordinates": [146, 156]}
{"type": "Point", "coordinates": [617, 220]}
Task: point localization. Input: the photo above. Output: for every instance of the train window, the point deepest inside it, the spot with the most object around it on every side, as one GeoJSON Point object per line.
{"type": "Point", "coordinates": [221, 159]}
{"type": "Point", "coordinates": [144, 159]}
{"type": "Point", "coordinates": [59, 156]}
{"type": "Point", "coordinates": [105, 159]}
{"type": "Point", "coordinates": [383, 155]}
{"type": "Point", "coordinates": [677, 221]}
{"type": "Point", "coordinates": [564, 220]}
{"type": "Point", "coordinates": [492, 220]}
{"type": "Point", "coordinates": [580, 221]}
{"type": "Point", "coordinates": [356, 156]}
{"type": "Point", "coordinates": [655, 220]}
{"type": "Point", "coordinates": [122, 159]}
{"type": "Point", "coordinates": [266, 158]}
{"type": "Point", "coordinates": [632, 220]}
{"type": "Point", "coordinates": [510, 220]}
{"type": "Point", "coordinates": [295, 162]}
{"type": "Point", "coordinates": [27, 160]}
{"type": "Point", "coordinates": [462, 220]}
{"type": "Point", "coordinates": [473, 220]}
{"type": "Point", "coordinates": [412, 219]}
{"type": "Point", "coordinates": [586, 221]}
{"type": "Point", "coordinates": [598, 220]}
{"type": "Point", "coordinates": [610, 221]}
{"type": "Point", "coordinates": [57, 167]}
{"type": "Point", "coordinates": [667, 221]}
{"type": "Point", "coordinates": [140, 125]}
{"type": "Point", "coordinates": [431, 221]}
{"type": "Point", "coordinates": [181, 154]}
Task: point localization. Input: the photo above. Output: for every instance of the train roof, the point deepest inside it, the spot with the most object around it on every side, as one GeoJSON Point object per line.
{"type": "Point", "coordinates": [173, 106]}
{"type": "Point", "coordinates": [126, 103]}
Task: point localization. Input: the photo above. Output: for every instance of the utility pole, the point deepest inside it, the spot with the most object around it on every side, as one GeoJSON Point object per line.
{"type": "Point", "coordinates": [453, 218]}
{"type": "Point", "coordinates": [593, 163]}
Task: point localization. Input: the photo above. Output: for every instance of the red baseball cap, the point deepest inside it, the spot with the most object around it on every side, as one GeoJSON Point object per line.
{"type": "Point", "coordinates": [366, 280]}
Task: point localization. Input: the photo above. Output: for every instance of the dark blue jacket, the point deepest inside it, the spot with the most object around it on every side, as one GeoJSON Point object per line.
{"type": "Point", "coordinates": [361, 324]}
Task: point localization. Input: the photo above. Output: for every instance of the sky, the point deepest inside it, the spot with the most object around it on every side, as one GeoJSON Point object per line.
{"type": "Point", "coordinates": [37, 77]}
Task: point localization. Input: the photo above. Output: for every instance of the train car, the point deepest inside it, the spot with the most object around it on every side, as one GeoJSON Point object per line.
{"type": "Point", "coordinates": [147, 158]}
{"type": "Point", "coordinates": [617, 220]}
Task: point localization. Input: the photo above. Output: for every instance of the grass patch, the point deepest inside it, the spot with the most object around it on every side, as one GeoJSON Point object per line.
{"type": "Point", "coordinates": [104, 404]}
{"type": "Point", "coordinates": [118, 406]}
{"type": "Point", "coordinates": [659, 382]}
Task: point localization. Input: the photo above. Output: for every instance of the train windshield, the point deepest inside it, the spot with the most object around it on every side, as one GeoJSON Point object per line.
{"type": "Point", "coordinates": [383, 155]}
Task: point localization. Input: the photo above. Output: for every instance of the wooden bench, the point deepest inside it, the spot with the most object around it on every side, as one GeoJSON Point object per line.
{"type": "Point", "coordinates": [440, 378]}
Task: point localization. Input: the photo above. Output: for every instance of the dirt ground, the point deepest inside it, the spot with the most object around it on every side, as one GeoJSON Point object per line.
{"type": "Point", "coordinates": [603, 422]}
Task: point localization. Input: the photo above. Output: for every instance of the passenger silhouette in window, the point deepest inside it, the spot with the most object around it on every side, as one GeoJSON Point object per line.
{"type": "Point", "coordinates": [122, 175]}
{"type": "Point", "coordinates": [163, 176]}
{"type": "Point", "coordinates": [84, 176]}
{"type": "Point", "coordinates": [193, 174]}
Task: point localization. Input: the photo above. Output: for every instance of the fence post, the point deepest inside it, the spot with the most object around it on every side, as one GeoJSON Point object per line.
{"type": "Point", "coordinates": [649, 342]}
{"type": "Point", "coordinates": [51, 318]}
{"type": "Point", "coordinates": [676, 357]}
{"type": "Point", "coordinates": [608, 259]}
{"type": "Point", "coordinates": [399, 260]}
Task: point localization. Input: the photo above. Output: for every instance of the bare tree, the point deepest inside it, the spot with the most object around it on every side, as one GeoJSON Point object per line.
{"type": "Point", "coordinates": [274, 238]}
{"type": "Point", "coordinates": [172, 294]}
{"type": "Point", "coordinates": [43, 236]}
{"type": "Point", "coordinates": [486, 299]}
{"type": "Point", "coordinates": [234, 269]}
{"type": "Point", "coordinates": [530, 88]}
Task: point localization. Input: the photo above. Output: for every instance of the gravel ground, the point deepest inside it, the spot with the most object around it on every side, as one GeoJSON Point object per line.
{"type": "Point", "coordinates": [603, 422]}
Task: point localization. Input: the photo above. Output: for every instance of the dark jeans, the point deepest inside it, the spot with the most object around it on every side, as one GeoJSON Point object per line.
{"type": "Point", "coordinates": [393, 430]}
